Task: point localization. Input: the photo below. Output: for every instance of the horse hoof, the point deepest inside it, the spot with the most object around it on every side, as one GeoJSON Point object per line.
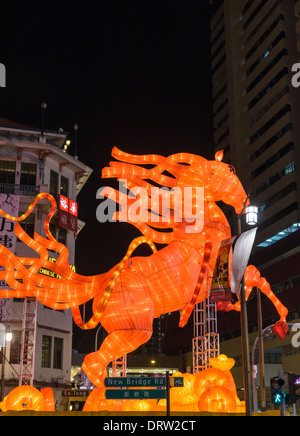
{"type": "Point", "coordinates": [280, 329]}
{"type": "Point", "coordinates": [224, 306]}
{"type": "Point", "coordinates": [95, 373]}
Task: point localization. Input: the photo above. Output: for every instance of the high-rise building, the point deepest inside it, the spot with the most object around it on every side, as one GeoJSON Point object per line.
{"type": "Point", "coordinates": [32, 162]}
{"type": "Point", "coordinates": [254, 45]}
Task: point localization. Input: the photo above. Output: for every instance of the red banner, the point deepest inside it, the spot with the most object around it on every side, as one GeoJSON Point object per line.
{"type": "Point", "coordinates": [221, 286]}
{"type": "Point", "coordinates": [67, 214]}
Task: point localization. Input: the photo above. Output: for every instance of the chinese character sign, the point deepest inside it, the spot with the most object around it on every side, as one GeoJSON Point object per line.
{"type": "Point", "coordinates": [10, 204]}
{"type": "Point", "coordinates": [67, 214]}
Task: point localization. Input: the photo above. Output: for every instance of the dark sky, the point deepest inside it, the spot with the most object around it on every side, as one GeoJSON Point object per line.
{"type": "Point", "coordinates": [132, 73]}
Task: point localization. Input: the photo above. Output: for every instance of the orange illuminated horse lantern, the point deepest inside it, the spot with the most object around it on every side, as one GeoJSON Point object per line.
{"type": "Point", "coordinates": [128, 297]}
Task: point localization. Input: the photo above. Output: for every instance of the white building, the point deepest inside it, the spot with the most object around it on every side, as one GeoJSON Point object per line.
{"type": "Point", "coordinates": [31, 163]}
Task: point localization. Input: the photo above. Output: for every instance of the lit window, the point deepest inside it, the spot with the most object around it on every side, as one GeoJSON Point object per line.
{"type": "Point", "coordinates": [281, 235]}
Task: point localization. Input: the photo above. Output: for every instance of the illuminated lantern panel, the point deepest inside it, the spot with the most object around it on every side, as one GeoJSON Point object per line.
{"type": "Point", "coordinates": [217, 399]}
{"type": "Point", "coordinates": [137, 290]}
{"type": "Point", "coordinates": [211, 390]}
{"type": "Point", "coordinates": [28, 398]}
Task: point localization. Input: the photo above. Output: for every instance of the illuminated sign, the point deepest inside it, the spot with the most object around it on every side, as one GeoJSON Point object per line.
{"type": "Point", "coordinates": [49, 273]}
{"type": "Point", "coordinates": [73, 207]}
{"type": "Point", "coordinates": [64, 203]}
{"type": "Point", "coordinates": [76, 392]}
{"type": "Point", "coordinates": [67, 213]}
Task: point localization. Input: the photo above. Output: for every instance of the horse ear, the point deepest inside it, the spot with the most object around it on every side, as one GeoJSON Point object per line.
{"type": "Point", "coordinates": [219, 155]}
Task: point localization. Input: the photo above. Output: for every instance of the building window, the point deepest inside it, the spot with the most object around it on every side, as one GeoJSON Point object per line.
{"type": "Point", "coordinates": [275, 158]}
{"type": "Point", "coordinates": [64, 186]}
{"type": "Point", "coordinates": [263, 74]}
{"type": "Point", "coordinates": [265, 53]}
{"type": "Point", "coordinates": [52, 228]}
{"type": "Point", "coordinates": [15, 348]}
{"type": "Point", "coordinates": [53, 190]}
{"type": "Point", "coordinates": [28, 174]}
{"type": "Point", "coordinates": [28, 224]}
{"type": "Point", "coordinates": [268, 88]}
{"type": "Point", "coordinates": [284, 212]}
{"type": "Point", "coordinates": [278, 196]}
{"type": "Point", "coordinates": [287, 108]}
{"type": "Point", "coordinates": [281, 235]}
{"type": "Point", "coordinates": [271, 141]}
{"type": "Point", "coordinates": [58, 353]}
{"type": "Point", "coordinates": [275, 177]}
{"type": "Point", "coordinates": [62, 236]}
{"type": "Point", "coordinates": [7, 172]}
{"type": "Point", "coordinates": [46, 352]}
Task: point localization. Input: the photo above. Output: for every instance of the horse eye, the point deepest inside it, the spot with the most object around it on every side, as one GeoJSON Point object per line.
{"type": "Point", "coordinates": [231, 169]}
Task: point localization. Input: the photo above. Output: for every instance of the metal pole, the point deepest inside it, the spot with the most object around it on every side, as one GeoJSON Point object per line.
{"type": "Point", "coordinates": [261, 353]}
{"type": "Point", "coordinates": [245, 350]}
{"type": "Point", "coordinates": [254, 388]}
{"type": "Point", "coordinates": [3, 350]}
{"type": "Point", "coordinates": [282, 407]}
{"type": "Point", "coordinates": [96, 338]}
{"type": "Point", "coordinates": [168, 393]}
{"type": "Point", "coordinates": [244, 335]}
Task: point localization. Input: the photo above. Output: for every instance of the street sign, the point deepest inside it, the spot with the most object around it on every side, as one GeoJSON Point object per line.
{"type": "Point", "coordinates": [131, 394]}
{"type": "Point", "coordinates": [141, 382]}
{"type": "Point", "coordinates": [134, 382]}
{"type": "Point", "coordinates": [176, 382]}
{"type": "Point", "coordinates": [76, 392]}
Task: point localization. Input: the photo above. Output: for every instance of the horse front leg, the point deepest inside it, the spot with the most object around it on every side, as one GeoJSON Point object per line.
{"type": "Point", "coordinates": [115, 345]}
{"type": "Point", "coordinates": [253, 279]}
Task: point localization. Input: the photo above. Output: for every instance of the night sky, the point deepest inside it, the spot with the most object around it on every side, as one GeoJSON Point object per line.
{"type": "Point", "coordinates": [133, 74]}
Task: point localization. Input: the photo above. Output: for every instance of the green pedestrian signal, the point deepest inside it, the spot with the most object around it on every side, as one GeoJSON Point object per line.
{"type": "Point", "coordinates": [278, 398]}
{"type": "Point", "coordinates": [278, 395]}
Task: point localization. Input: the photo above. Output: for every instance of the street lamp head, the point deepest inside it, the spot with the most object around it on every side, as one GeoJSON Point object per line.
{"type": "Point", "coordinates": [251, 215]}
{"type": "Point", "coordinates": [8, 335]}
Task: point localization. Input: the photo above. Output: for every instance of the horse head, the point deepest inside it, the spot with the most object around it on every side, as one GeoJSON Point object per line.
{"type": "Point", "coordinates": [225, 184]}
{"type": "Point", "coordinates": [218, 179]}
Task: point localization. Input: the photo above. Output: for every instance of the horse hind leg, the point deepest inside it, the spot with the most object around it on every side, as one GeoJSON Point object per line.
{"type": "Point", "coordinates": [115, 345]}
{"type": "Point", "coordinates": [253, 278]}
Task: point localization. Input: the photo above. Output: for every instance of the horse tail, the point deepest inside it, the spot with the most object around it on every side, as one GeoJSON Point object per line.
{"type": "Point", "coordinates": [61, 288]}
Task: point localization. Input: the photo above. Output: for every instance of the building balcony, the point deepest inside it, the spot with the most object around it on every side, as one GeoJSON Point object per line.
{"type": "Point", "coordinates": [22, 190]}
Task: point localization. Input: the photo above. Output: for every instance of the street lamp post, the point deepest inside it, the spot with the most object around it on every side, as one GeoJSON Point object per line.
{"type": "Point", "coordinates": [251, 219]}
{"type": "Point", "coordinates": [7, 338]}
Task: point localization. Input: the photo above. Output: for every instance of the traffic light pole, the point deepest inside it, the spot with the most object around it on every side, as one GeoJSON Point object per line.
{"type": "Point", "coordinates": [261, 353]}
{"type": "Point", "coordinates": [245, 350]}
{"type": "Point", "coordinates": [282, 407]}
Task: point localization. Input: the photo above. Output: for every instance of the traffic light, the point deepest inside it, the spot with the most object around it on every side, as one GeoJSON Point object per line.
{"type": "Point", "coordinates": [294, 385]}
{"type": "Point", "coordinates": [277, 393]}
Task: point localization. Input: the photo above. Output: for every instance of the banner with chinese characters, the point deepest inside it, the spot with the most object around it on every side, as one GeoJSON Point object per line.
{"type": "Point", "coordinates": [67, 214]}
{"type": "Point", "coordinates": [221, 288]}
{"type": "Point", "coordinates": [10, 204]}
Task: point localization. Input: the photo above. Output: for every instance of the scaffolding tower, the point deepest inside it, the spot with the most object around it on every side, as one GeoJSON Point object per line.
{"type": "Point", "coordinates": [119, 366]}
{"type": "Point", "coordinates": [28, 342]}
{"type": "Point", "coordinates": [206, 342]}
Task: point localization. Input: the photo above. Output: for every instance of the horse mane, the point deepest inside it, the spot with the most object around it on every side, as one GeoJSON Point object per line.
{"type": "Point", "coordinates": [164, 172]}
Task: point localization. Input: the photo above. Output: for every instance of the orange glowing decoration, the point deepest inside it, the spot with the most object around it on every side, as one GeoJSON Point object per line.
{"type": "Point", "coordinates": [29, 398]}
{"type": "Point", "coordinates": [127, 298]}
{"type": "Point", "coordinates": [215, 388]}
